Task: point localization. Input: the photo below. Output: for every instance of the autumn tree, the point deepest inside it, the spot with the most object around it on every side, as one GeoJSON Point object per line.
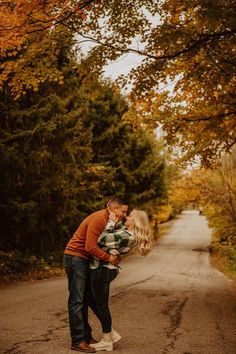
{"type": "Point", "coordinates": [20, 18]}
{"type": "Point", "coordinates": [219, 200]}
{"type": "Point", "coordinates": [218, 196]}
{"type": "Point", "coordinates": [186, 78]}
{"type": "Point", "coordinates": [214, 190]}
{"type": "Point", "coordinates": [184, 192]}
{"type": "Point", "coordinates": [24, 30]}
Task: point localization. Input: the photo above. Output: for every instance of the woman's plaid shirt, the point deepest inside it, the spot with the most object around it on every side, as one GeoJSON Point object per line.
{"type": "Point", "coordinates": [115, 241]}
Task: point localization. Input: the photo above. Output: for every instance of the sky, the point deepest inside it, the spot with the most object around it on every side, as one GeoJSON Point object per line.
{"type": "Point", "coordinates": [122, 66]}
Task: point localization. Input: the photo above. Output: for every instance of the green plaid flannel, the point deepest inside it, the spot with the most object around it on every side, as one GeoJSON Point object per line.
{"type": "Point", "coordinates": [115, 241]}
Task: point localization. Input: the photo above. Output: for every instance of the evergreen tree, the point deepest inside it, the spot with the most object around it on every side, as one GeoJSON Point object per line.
{"type": "Point", "coordinates": [45, 155]}
{"type": "Point", "coordinates": [64, 151]}
{"type": "Point", "coordinates": [132, 158]}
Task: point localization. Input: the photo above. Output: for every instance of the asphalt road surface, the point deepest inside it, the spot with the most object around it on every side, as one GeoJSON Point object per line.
{"type": "Point", "coordinates": [171, 301]}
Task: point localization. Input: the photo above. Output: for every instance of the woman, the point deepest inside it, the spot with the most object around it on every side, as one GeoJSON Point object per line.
{"type": "Point", "coordinates": [116, 239]}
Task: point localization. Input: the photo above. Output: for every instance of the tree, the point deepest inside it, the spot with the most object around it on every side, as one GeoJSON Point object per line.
{"type": "Point", "coordinates": [189, 44]}
{"type": "Point", "coordinates": [218, 196]}
{"type": "Point", "coordinates": [24, 31]}
{"type": "Point", "coordinates": [184, 192]}
{"type": "Point", "coordinates": [20, 18]}
{"type": "Point", "coordinates": [133, 159]}
{"type": "Point", "coordinates": [45, 160]}
{"type": "Point", "coordinates": [65, 150]}
{"type": "Point", "coordinates": [215, 191]}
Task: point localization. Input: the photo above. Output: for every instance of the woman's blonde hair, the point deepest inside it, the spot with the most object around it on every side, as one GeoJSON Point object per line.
{"type": "Point", "coordinates": [142, 231]}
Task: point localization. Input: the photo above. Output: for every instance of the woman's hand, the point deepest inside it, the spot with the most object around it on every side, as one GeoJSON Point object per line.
{"type": "Point", "coordinates": [113, 217]}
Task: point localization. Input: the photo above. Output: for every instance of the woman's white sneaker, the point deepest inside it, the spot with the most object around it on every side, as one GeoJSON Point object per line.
{"type": "Point", "coordinates": [105, 343]}
{"type": "Point", "coordinates": [115, 336]}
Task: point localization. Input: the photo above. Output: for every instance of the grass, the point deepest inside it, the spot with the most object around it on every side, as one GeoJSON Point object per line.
{"type": "Point", "coordinates": [224, 258]}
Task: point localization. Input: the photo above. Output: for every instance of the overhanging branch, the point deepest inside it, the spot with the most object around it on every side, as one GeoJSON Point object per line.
{"type": "Point", "coordinates": [203, 39]}
{"type": "Point", "coordinates": [198, 119]}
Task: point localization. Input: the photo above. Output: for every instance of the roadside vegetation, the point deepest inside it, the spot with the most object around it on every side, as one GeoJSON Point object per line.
{"type": "Point", "coordinates": [213, 193]}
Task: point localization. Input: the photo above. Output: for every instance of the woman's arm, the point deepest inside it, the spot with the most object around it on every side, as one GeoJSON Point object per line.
{"type": "Point", "coordinates": [120, 241]}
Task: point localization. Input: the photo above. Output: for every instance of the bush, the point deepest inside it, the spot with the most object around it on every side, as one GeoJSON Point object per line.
{"type": "Point", "coordinates": [225, 250]}
{"type": "Point", "coordinates": [15, 265]}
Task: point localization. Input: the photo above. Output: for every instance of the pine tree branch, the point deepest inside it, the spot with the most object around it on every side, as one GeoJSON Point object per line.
{"type": "Point", "coordinates": [13, 137]}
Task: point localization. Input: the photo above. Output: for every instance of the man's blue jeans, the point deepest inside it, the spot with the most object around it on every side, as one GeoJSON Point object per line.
{"type": "Point", "coordinates": [77, 269]}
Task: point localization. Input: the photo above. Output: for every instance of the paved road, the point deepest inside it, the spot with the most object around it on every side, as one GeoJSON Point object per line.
{"type": "Point", "coordinates": [172, 301]}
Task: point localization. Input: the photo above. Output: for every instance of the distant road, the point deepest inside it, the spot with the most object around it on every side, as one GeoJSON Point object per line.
{"type": "Point", "coordinates": [171, 301]}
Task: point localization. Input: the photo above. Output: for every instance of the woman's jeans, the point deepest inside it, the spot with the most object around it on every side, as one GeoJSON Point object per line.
{"type": "Point", "coordinates": [100, 280]}
{"type": "Point", "coordinates": [77, 270]}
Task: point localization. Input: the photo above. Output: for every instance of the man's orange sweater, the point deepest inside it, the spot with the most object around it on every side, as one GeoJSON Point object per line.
{"type": "Point", "coordinates": [84, 242]}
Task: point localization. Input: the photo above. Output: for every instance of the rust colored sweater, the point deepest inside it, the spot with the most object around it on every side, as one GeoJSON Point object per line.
{"type": "Point", "coordinates": [84, 242]}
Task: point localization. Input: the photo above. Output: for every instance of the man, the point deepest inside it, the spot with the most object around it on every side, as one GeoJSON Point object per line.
{"type": "Point", "coordinates": [82, 245]}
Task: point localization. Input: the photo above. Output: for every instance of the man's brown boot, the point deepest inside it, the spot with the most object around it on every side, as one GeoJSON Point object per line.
{"type": "Point", "coordinates": [83, 347]}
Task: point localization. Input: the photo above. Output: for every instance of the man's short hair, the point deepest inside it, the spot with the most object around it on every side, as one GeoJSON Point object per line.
{"type": "Point", "coordinates": [116, 200]}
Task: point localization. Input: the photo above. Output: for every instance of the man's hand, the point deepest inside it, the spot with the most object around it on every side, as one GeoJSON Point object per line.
{"type": "Point", "coordinates": [115, 260]}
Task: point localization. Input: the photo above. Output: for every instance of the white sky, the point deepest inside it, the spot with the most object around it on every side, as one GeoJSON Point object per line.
{"type": "Point", "coordinates": [123, 65]}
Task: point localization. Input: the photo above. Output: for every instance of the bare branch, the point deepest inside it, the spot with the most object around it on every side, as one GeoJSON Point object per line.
{"type": "Point", "coordinates": [203, 39]}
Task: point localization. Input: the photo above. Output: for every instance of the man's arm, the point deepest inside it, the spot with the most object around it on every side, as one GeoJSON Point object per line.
{"type": "Point", "coordinates": [94, 230]}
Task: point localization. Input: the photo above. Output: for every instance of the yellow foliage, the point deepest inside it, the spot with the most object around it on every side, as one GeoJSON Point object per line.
{"type": "Point", "coordinates": [25, 27]}
{"type": "Point", "coordinates": [164, 213]}
{"type": "Point", "coordinates": [21, 18]}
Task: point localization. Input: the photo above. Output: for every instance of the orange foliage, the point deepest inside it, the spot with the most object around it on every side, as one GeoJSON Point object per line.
{"type": "Point", "coordinates": [20, 18]}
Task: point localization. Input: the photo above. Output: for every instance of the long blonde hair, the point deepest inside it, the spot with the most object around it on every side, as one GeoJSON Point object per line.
{"type": "Point", "coordinates": [142, 231]}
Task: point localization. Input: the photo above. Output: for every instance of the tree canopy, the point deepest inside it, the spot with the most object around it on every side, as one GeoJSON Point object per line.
{"type": "Point", "coordinates": [185, 82]}
{"type": "Point", "coordinates": [20, 18]}
{"type": "Point", "coordinates": [24, 31]}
